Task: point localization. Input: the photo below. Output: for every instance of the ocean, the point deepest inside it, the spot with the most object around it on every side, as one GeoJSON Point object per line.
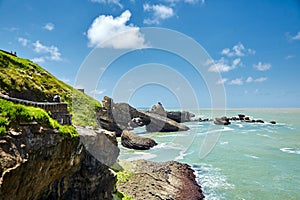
{"type": "Point", "coordinates": [241, 160]}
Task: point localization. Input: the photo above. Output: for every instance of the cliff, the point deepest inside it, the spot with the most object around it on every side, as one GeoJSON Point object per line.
{"type": "Point", "coordinates": [39, 163]}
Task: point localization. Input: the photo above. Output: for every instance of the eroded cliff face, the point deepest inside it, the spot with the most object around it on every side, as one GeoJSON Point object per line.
{"type": "Point", "coordinates": [37, 163]}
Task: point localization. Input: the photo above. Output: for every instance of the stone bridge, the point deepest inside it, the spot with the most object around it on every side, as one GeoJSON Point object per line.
{"type": "Point", "coordinates": [59, 111]}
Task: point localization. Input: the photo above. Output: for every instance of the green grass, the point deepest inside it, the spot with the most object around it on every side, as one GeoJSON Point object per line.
{"type": "Point", "coordinates": [24, 79]}
{"type": "Point", "coordinates": [12, 114]}
{"type": "Point", "coordinates": [121, 196]}
{"type": "Point", "coordinates": [124, 176]}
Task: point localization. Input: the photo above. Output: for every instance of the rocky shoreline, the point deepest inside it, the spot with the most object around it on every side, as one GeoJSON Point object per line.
{"type": "Point", "coordinates": [164, 180]}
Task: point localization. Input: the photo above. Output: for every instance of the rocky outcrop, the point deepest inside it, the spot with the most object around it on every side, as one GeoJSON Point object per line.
{"type": "Point", "coordinates": [168, 180]}
{"type": "Point", "coordinates": [102, 144]}
{"type": "Point", "coordinates": [222, 121]}
{"type": "Point", "coordinates": [160, 123]}
{"type": "Point", "coordinates": [38, 163]}
{"type": "Point", "coordinates": [134, 141]}
{"type": "Point", "coordinates": [121, 116]}
{"type": "Point", "coordinates": [180, 116]}
{"type": "Point", "coordinates": [159, 110]}
{"type": "Point", "coordinates": [118, 116]}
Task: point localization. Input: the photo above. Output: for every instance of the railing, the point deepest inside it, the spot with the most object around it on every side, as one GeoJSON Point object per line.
{"type": "Point", "coordinates": [59, 111]}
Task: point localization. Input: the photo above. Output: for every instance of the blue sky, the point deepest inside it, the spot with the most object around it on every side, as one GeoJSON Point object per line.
{"type": "Point", "coordinates": [254, 46]}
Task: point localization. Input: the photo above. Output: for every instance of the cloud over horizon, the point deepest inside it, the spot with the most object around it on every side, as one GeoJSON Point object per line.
{"type": "Point", "coordinates": [106, 27]}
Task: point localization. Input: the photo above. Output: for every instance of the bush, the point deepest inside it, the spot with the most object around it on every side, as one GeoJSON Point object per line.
{"type": "Point", "coordinates": [2, 130]}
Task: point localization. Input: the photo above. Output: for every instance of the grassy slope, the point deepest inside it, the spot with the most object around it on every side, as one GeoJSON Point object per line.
{"type": "Point", "coordinates": [22, 78]}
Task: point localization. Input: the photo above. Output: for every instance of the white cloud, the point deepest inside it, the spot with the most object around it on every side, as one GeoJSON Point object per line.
{"type": "Point", "coordinates": [249, 79]}
{"type": "Point", "coordinates": [159, 12]}
{"type": "Point", "coordinates": [258, 80]}
{"type": "Point", "coordinates": [104, 28]}
{"type": "Point", "coordinates": [289, 57]}
{"type": "Point", "coordinates": [38, 60]}
{"type": "Point", "coordinates": [262, 66]}
{"type": "Point", "coordinates": [261, 79]}
{"type": "Point", "coordinates": [116, 2]}
{"type": "Point", "coordinates": [23, 41]}
{"type": "Point", "coordinates": [222, 81]}
{"type": "Point", "coordinates": [237, 81]}
{"type": "Point", "coordinates": [52, 52]}
{"type": "Point", "coordinates": [97, 91]}
{"type": "Point", "coordinates": [296, 37]}
{"type": "Point", "coordinates": [237, 50]}
{"type": "Point", "coordinates": [223, 66]}
{"type": "Point", "coordinates": [173, 2]}
{"type": "Point", "coordinates": [49, 26]}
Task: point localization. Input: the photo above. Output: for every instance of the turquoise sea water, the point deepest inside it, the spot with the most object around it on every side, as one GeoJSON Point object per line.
{"type": "Point", "coordinates": [248, 161]}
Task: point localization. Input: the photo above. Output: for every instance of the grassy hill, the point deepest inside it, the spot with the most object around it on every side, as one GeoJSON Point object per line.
{"type": "Point", "coordinates": [23, 79]}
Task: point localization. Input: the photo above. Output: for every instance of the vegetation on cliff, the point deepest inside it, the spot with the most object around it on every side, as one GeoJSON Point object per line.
{"type": "Point", "coordinates": [23, 79]}
{"type": "Point", "coordinates": [12, 114]}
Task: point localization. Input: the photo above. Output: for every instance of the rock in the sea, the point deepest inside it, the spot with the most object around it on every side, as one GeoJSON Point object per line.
{"type": "Point", "coordinates": [180, 116]}
{"type": "Point", "coordinates": [168, 180]}
{"type": "Point", "coordinates": [222, 121]}
{"type": "Point", "coordinates": [160, 123]}
{"type": "Point", "coordinates": [39, 163]}
{"type": "Point", "coordinates": [259, 121]}
{"type": "Point", "coordinates": [134, 141]}
{"type": "Point", "coordinates": [272, 122]}
{"type": "Point", "coordinates": [158, 109]}
{"type": "Point", "coordinates": [119, 116]}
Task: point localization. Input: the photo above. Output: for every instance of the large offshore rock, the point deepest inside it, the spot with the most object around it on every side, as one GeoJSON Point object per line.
{"type": "Point", "coordinates": [119, 116]}
{"type": "Point", "coordinates": [156, 180]}
{"type": "Point", "coordinates": [160, 123]}
{"type": "Point", "coordinates": [134, 141]}
{"type": "Point", "coordinates": [38, 163]}
{"type": "Point", "coordinates": [180, 116]}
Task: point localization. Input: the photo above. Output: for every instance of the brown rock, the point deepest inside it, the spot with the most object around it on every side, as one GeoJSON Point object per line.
{"type": "Point", "coordinates": [167, 180]}
{"type": "Point", "coordinates": [134, 141]}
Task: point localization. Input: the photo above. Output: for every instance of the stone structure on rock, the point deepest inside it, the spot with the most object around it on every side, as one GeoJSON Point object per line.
{"type": "Point", "coordinates": [134, 141]}
{"type": "Point", "coordinates": [38, 163]}
{"type": "Point", "coordinates": [168, 180]}
{"type": "Point", "coordinates": [121, 116]}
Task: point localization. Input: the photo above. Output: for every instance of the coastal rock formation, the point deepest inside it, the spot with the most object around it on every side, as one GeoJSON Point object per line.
{"type": "Point", "coordinates": [118, 116]}
{"type": "Point", "coordinates": [180, 116]}
{"type": "Point", "coordinates": [159, 110]}
{"type": "Point", "coordinates": [121, 116]}
{"type": "Point", "coordinates": [167, 180]}
{"type": "Point", "coordinates": [222, 121]}
{"type": "Point", "coordinates": [160, 123]}
{"type": "Point", "coordinates": [38, 163]}
{"type": "Point", "coordinates": [134, 141]}
{"type": "Point", "coordinates": [102, 144]}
